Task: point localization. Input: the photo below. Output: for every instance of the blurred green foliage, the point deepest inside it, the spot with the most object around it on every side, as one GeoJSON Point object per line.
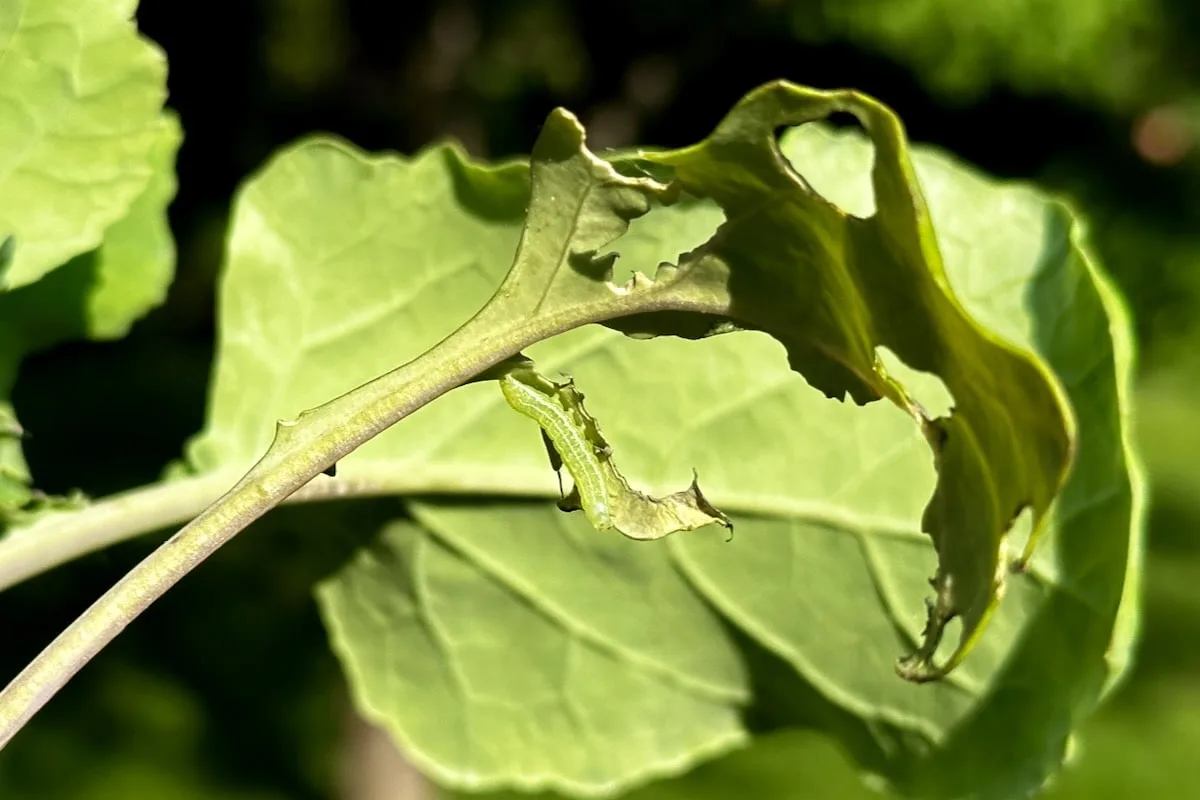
{"type": "Point", "coordinates": [1116, 54]}
{"type": "Point", "coordinates": [1096, 99]}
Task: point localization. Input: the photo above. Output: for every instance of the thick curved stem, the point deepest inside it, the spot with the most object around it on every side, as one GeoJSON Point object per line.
{"type": "Point", "coordinates": [302, 450]}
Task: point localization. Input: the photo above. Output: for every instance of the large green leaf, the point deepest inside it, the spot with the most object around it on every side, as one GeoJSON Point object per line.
{"type": "Point", "coordinates": [80, 101]}
{"type": "Point", "coordinates": [835, 289]}
{"type": "Point", "coordinates": [515, 650]}
{"type": "Point", "coordinates": [341, 265]}
{"type": "Point", "coordinates": [96, 295]}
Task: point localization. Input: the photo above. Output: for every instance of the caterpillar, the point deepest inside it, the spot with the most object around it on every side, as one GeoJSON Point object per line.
{"type": "Point", "coordinates": [572, 437]}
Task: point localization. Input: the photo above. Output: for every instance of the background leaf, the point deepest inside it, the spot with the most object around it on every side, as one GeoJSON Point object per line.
{"type": "Point", "coordinates": [1099, 51]}
{"type": "Point", "coordinates": [96, 295]}
{"type": "Point", "coordinates": [82, 96]}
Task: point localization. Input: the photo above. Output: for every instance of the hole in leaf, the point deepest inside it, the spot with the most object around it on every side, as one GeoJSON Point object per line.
{"type": "Point", "coordinates": [664, 234]}
{"type": "Point", "coordinates": [834, 158]}
{"type": "Point", "coordinates": [924, 387]}
{"type": "Point", "coordinates": [1018, 536]}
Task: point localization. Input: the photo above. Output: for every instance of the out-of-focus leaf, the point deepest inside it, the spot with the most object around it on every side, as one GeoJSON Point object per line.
{"type": "Point", "coordinates": [96, 295]}
{"type": "Point", "coordinates": [1169, 430]}
{"type": "Point", "coordinates": [1112, 53]}
{"type": "Point", "coordinates": [81, 94]}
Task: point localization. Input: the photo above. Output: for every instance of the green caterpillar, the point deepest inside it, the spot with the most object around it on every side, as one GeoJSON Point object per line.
{"type": "Point", "coordinates": [526, 391]}
{"type": "Point", "coordinates": [573, 440]}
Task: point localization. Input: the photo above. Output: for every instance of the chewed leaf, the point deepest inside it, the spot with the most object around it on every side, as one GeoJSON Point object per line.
{"type": "Point", "coordinates": [835, 288]}
{"type": "Point", "coordinates": [829, 565]}
{"type": "Point", "coordinates": [574, 440]}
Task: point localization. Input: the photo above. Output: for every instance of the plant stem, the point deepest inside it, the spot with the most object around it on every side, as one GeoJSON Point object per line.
{"type": "Point", "coordinates": [302, 450]}
{"type": "Point", "coordinates": [63, 537]}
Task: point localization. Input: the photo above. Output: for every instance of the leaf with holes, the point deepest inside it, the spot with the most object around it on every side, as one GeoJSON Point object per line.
{"type": "Point", "coordinates": [833, 288]}
{"type": "Point", "coordinates": [1065, 629]}
{"type": "Point", "coordinates": [341, 265]}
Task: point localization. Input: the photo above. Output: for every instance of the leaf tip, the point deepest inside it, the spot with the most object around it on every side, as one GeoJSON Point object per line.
{"type": "Point", "coordinates": [708, 508]}
{"type": "Point", "coordinates": [919, 666]}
